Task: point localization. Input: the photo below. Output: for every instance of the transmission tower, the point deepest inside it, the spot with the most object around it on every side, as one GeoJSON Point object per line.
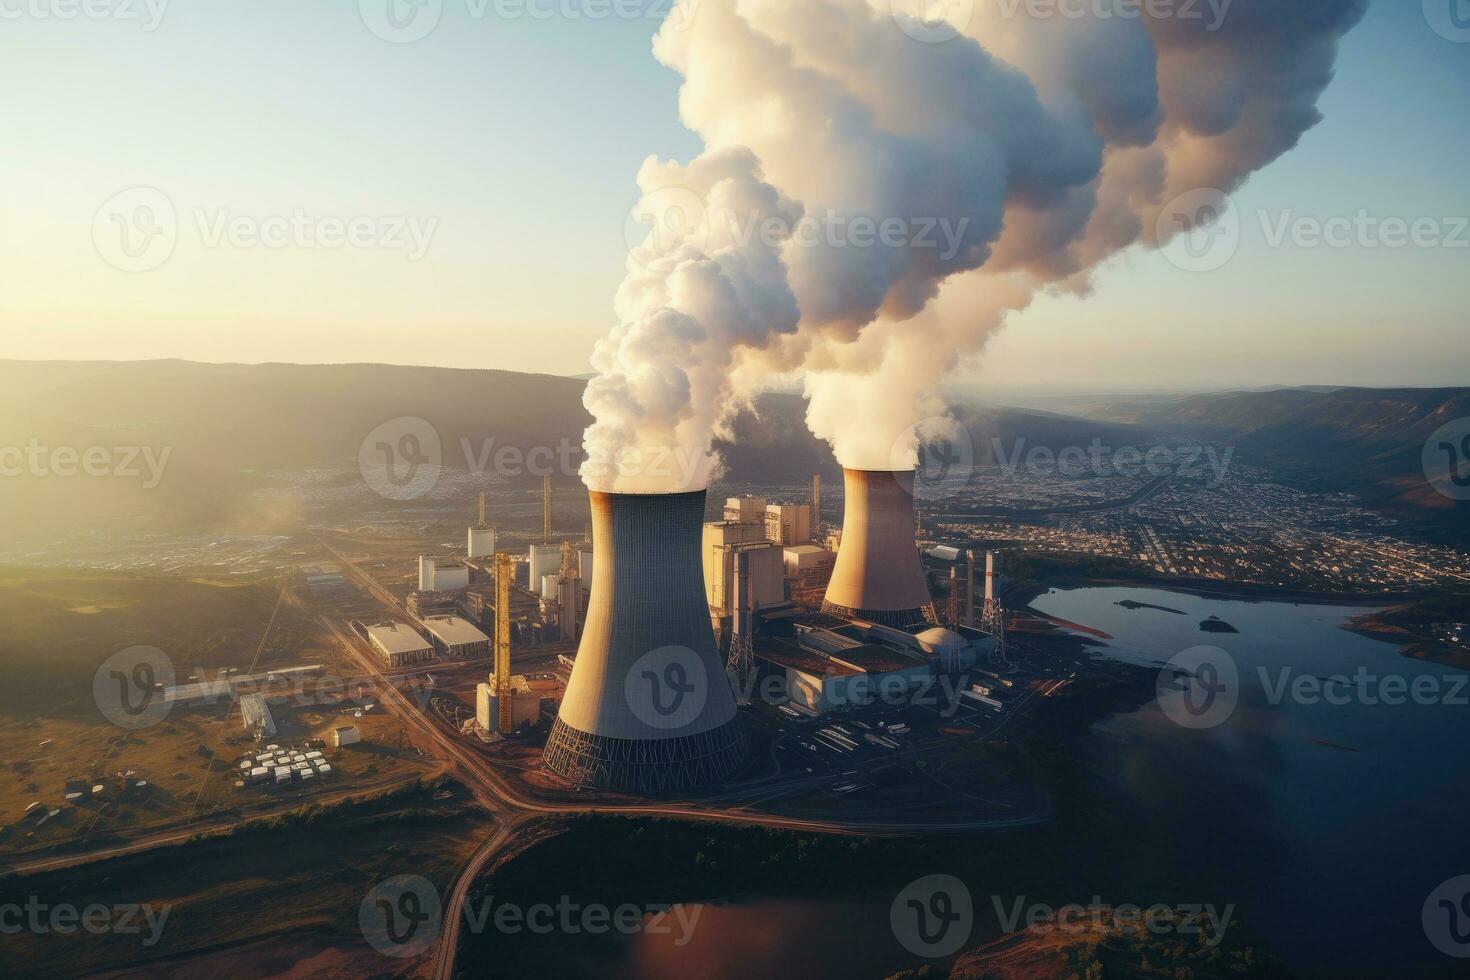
{"type": "Point", "coordinates": [993, 621]}
{"type": "Point", "coordinates": [741, 665]}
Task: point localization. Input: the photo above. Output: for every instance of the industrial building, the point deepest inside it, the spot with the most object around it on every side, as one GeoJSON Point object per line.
{"type": "Point", "coordinates": [226, 689]}
{"type": "Point", "coordinates": [345, 735]}
{"type": "Point", "coordinates": [784, 524]}
{"type": "Point", "coordinates": [827, 664]}
{"type": "Point", "coordinates": [722, 542]}
{"type": "Point", "coordinates": [256, 715]}
{"type": "Point", "coordinates": [456, 639]}
{"type": "Point", "coordinates": [545, 559]}
{"type": "Point", "coordinates": [648, 708]}
{"type": "Point", "coordinates": [400, 646]}
{"type": "Point", "coordinates": [877, 576]}
{"type": "Point", "coordinates": [422, 605]}
{"type": "Point", "coordinates": [525, 710]}
{"type": "Point", "coordinates": [435, 576]}
{"type": "Point", "coordinates": [198, 693]}
{"type": "Point", "coordinates": [788, 524]}
{"type": "Point", "coordinates": [481, 543]}
{"type": "Point", "coordinates": [746, 510]}
{"type": "Point", "coordinates": [324, 581]}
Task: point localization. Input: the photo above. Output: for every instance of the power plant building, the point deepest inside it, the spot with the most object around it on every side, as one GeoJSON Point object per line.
{"type": "Point", "coordinates": [878, 577]}
{"type": "Point", "coordinates": [789, 524]}
{"type": "Point", "coordinates": [525, 711]}
{"type": "Point", "coordinates": [481, 543]}
{"type": "Point", "coordinates": [648, 708]}
{"type": "Point", "coordinates": [436, 578]}
{"type": "Point", "coordinates": [746, 510]}
{"type": "Point", "coordinates": [400, 646]}
{"type": "Point", "coordinates": [545, 560]}
{"type": "Point", "coordinates": [830, 666]}
{"type": "Point", "coordinates": [807, 559]}
{"type": "Point", "coordinates": [456, 639]}
{"type": "Point", "coordinates": [722, 541]}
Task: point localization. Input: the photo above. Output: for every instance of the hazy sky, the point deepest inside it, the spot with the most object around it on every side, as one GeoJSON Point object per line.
{"type": "Point", "coordinates": [509, 145]}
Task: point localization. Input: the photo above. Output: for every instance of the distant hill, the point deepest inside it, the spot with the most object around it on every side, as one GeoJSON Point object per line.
{"type": "Point", "coordinates": [230, 428]}
{"type": "Point", "coordinates": [1367, 441]}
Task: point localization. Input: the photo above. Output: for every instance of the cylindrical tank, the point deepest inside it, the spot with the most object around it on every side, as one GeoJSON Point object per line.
{"type": "Point", "coordinates": [648, 708]}
{"type": "Point", "coordinates": [878, 576]}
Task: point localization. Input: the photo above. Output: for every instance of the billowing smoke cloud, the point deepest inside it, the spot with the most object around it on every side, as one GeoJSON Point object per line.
{"type": "Point", "coordinates": [937, 187]}
{"type": "Point", "coordinates": [700, 290]}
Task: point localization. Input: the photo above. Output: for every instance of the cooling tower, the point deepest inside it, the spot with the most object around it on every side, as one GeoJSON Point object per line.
{"type": "Point", "coordinates": [878, 577]}
{"type": "Point", "coordinates": [648, 708]}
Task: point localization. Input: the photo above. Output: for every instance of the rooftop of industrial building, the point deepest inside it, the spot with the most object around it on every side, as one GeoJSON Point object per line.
{"type": "Point", "coordinates": [397, 638]}
{"type": "Point", "coordinates": [788, 653]}
{"type": "Point", "coordinates": [876, 658]}
{"type": "Point", "coordinates": [863, 658]}
{"type": "Point", "coordinates": [453, 631]}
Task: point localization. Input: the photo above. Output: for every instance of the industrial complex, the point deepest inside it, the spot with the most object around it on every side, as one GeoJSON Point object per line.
{"type": "Point", "coordinates": [667, 624]}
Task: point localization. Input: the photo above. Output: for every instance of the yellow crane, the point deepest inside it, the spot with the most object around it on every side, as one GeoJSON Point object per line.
{"type": "Point", "coordinates": [505, 569]}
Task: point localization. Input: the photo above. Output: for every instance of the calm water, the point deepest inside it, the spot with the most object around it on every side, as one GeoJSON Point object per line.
{"type": "Point", "coordinates": [1327, 825]}
{"type": "Point", "coordinates": [1334, 847]}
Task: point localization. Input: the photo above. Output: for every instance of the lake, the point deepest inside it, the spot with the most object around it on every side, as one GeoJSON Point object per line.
{"type": "Point", "coordinates": [1325, 825]}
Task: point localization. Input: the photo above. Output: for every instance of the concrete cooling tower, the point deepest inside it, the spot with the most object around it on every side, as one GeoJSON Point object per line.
{"type": "Point", "coordinates": [878, 576]}
{"type": "Point", "coordinates": [648, 709]}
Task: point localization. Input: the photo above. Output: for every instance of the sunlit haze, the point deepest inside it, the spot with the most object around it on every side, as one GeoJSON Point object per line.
{"type": "Point", "coordinates": [520, 137]}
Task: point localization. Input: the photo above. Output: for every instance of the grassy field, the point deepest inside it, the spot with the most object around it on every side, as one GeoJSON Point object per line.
{"type": "Point", "coordinates": [61, 626]}
{"type": "Point", "coordinates": [54, 741]}
{"type": "Point", "coordinates": [290, 883]}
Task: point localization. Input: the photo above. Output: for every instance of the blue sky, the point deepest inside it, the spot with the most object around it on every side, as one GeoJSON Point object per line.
{"type": "Point", "coordinates": [520, 138]}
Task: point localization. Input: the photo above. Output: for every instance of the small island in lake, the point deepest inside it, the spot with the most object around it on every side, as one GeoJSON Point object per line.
{"type": "Point", "coordinates": [1217, 625]}
{"type": "Point", "coordinates": [1135, 604]}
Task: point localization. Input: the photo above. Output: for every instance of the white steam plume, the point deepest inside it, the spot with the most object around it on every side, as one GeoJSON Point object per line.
{"type": "Point", "coordinates": [1014, 157]}
{"type": "Point", "coordinates": [698, 292]}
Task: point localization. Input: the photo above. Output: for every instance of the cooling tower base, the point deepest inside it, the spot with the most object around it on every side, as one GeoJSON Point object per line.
{"type": "Point", "coordinates": [646, 766]}
{"type": "Point", "coordinates": [896, 618]}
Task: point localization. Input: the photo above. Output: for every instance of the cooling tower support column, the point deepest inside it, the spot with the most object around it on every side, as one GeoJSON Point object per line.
{"type": "Point", "coordinates": [878, 576]}
{"type": "Point", "coordinates": [648, 708]}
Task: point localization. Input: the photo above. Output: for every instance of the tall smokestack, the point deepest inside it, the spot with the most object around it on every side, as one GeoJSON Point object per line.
{"type": "Point", "coordinates": [648, 708]}
{"type": "Point", "coordinates": [878, 576]}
